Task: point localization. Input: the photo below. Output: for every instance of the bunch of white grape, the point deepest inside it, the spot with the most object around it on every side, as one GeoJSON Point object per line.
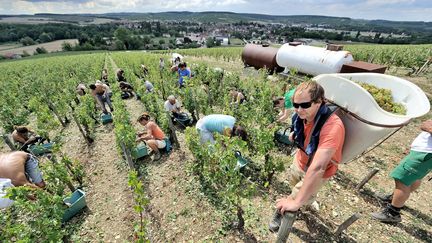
{"type": "Point", "coordinates": [384, 98]}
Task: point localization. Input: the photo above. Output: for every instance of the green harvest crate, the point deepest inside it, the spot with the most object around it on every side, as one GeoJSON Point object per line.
{"type": "Point", "coordinates": [168, 146]}
{"type": "Point", "coordinates": [282, 136]}
{"type": "Point", "coordinates": [241, 161]}
{"type": "Point", "coordinates": [106, 118]}
{"type": "Point", "coordinates": [39, 149]}
{"type": "Point", "coordinates": [75, 203]}
{"type": "Point", "coordinates": [140, 151]}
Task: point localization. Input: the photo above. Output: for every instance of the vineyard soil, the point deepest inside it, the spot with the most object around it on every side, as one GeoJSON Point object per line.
{"type": "Point", "coordinates": [109, 215]}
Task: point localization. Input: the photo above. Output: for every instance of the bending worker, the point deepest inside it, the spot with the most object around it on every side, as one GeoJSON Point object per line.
{"type": "Point", "coordinates": [222, 124]}
{"type": "Point", "coordinates": [102, 94]}
{"type": "Point", "coordinates": [172, 106]}
{"type": "Point", "coordinates": [22, 169]}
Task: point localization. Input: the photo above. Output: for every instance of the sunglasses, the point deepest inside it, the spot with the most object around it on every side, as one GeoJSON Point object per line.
{"type": "Point", "coordinates": [303, 105]}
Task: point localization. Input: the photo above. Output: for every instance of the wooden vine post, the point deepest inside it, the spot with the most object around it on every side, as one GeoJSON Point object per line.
{"type": "Point", "coordinates": [173, 135]}
{"type": "Point", "coordinates": [347, 223]}
{"type": "Point", "coordinates": [286, 226]}
{"type": "Point", "coordinates": [127, 155]}
{"type": "Point", "coordinates": [9, 143]}
{"type": "Point", "coordinates": [369, 176]}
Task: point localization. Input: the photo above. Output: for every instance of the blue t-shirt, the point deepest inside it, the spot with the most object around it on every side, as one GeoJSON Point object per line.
{"type": "Point", "coordinates": [218, 122]}
{"type": "Point", "coordinates": [183, 73]}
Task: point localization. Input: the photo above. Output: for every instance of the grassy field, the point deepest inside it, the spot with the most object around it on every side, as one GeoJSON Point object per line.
{"type": "Point", "coordinates": [53, 46]}
{"type": "Point", "coordinates": [8, 46]}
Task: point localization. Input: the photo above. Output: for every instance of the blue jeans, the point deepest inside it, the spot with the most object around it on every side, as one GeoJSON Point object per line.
{"type": "Point", "coordinates": [104, 98]}
{"type": "Point", "coordinates": [32, 170]}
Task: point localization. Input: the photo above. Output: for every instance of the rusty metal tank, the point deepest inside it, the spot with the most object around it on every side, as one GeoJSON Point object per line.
{"type": "Point", "coordinates": [260, 56]}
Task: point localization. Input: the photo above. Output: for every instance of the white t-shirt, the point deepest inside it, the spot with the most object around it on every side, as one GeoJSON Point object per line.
{"type": "Point", "coordinates": [161, 64]}
{"type": "Point", "coordinates": [170, 107]}
{"type": "Point", "coordinates": [422, 143]}
{"type": "Point", "coordinates": [149, 86]}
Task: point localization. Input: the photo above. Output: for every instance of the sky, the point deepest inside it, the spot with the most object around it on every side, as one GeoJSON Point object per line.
{"type": "Point", "coordinates": [404, 10]}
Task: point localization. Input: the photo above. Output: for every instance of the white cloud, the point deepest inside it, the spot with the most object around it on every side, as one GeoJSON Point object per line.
{"type": "Point", "coordinates": [387, 2]}
{"type": "Point", "coordinates": [193, 5]}
{"type": "Point", "coordinates": [103, 6]}
{"type": "Point", "coordinates": [230, 2]}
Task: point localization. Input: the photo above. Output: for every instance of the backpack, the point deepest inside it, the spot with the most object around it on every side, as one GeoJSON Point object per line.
{"type": "Point", "coordinates": [315, 132]}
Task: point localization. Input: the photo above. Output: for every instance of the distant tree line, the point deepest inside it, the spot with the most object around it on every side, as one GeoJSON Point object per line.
{"type": "Point", "coordinates": [140, 35]}
{"type": "Point", "coordinates": [29, 34]}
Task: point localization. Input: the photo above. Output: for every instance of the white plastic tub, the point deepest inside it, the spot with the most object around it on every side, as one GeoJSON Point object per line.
{"type": "Point", "coordinates": [312, 60]}
{"type": "Point", "coordinates": [365, 122]}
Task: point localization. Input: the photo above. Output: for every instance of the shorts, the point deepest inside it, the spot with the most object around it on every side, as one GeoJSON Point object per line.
{"type": "Point", "coordinates": [296, 179]}
{"type": "Point", "coordinates": [415, 166]}
{"type": "Point", "coordinates": [161, 143]}
{"type": "Point", "coordinates": [32, 170]}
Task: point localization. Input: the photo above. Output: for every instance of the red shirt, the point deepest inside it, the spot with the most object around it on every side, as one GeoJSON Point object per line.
{"type": "Point", "coordinates": [332, 135]}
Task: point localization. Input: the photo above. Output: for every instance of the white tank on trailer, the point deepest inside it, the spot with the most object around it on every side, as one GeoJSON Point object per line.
{"type": "Point", "coordinates": [312, 60]}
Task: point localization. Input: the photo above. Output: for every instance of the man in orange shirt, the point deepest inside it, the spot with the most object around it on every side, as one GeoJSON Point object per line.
{"type": "Point", "coordinates": [319, 151]}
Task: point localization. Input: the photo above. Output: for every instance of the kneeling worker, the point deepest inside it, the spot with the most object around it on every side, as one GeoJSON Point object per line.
{"type": "Point", "coordinates": [127, 89]}
{"type": "Point", "coordinates": [154, 136]}
{"type": "Point", "coordinates": [172, 106]}
{"type": "Point", "coordinates": [25, 137]}
{"type": "Point", "coordinates": [222, 124]}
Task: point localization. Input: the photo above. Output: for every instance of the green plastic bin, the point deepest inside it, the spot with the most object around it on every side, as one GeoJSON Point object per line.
{"type": "Point", "coordinates": [282, 136]}
{"type": "Point", "coordinates": [168, 146]}
{"type": "Point", "coordinates": [106, 118]}
{"type": "Point", "coordinates": [39, 149]}
{"type": "Point", "coordinates": [75, 203]}
{"type": "Point", "coordinates": [140, 151]}
{"type": "Point", "coordinates": [241, 161]}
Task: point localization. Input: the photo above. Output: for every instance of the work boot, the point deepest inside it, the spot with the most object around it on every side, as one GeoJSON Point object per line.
{"type": "Point", "coordinates": [386, 198]}
{"type": "Point", "coordinates": [156, 156]}
{"type": "Point", "coordinates": [275, 222]}
{"type": "Point", "coordinates": [387, 215]}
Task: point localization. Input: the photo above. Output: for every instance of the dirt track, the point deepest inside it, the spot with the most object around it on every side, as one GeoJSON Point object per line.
{"type": "Point", "coordinates": [49, 46]}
